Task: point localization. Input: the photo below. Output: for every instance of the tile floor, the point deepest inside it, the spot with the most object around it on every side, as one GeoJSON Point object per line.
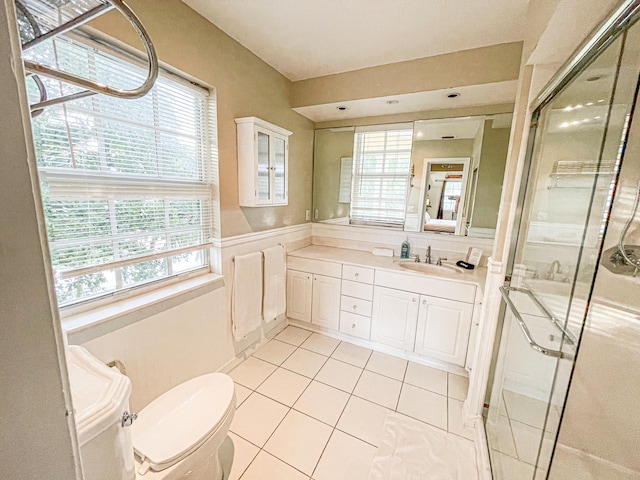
{"type": "Point", "coordinates": [313, 407]}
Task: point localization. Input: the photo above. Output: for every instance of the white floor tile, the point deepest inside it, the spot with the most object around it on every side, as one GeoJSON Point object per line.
{"type": "Point", "coordinates": [458, 387]}
{"type": "Point", "coordinates": [241, 394]}
{"type": "Point", "coordinates": [426, 377]}
{"type": "Point", "coordinates": [320, 344]}
{"type": "Point", "coordinates": [274, 352]}
{"type": "Point", "coordinates": [257, 418]}
{"type": "Point", "coordinates": [378, 389]}
{"type": "Point", "coordinates": [387, 365]}
{"type": "Point", "coordinates": [339, 375]}
{"type": "Point", "coordinates": [505, 466]}
{"type": "Point", "coordinates": [363, 420]}
{"type": "Point", "coordinates": [305, 362]}
{"type": "Point", "coordinates": [455, 422]}
{"type": "Point", "coordinates": [293, 335]}
{"type": "Point", "coordinates": [345, 458]}
{"type": "Point", "coordinates": [525, 409]}
{"type": "Point", "coordinates": [268, 467]}
{"type": "Point", "coordinates": [353, 354]}
{"type": "Point", "coordinates": [284, 386]}
{"type": "Point", "coordinates": [322, 402]}
{"type": "Point", "coordinates": [252, 372]}
{"type": "Point", "coordinates": [299, 441]}
{"type": "Point", "coordinates": [527, 439]}
{"type": "Point", "coordinates": [499, 435]}
{"type": "Point", "coordinates": [243, 454]}
{"type": "Point", "coordinates": [423, 405]}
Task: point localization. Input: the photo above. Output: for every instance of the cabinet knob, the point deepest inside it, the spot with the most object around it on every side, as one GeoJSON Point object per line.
{"type": "Point", "coordinates": [357, 275]}
{"type": "Point", "coordinates": [353, 326]}
{"type": "Point", "coordinates": [424, 302]}
{"type": "Point", "coordinates": [355, 307]}
{"type": "Point", "coordinates": [414, 300]}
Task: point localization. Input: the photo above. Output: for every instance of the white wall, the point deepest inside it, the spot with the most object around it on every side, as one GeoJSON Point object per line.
{"type": "Point", "coordinates": [37, 440]}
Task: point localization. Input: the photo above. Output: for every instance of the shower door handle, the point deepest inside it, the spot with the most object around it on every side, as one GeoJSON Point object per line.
{"type": "Point", "coordinates": [504, 291]}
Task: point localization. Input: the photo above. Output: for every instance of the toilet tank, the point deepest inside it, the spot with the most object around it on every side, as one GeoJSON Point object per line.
{"type": "Point", "coordinates": [100, 397]}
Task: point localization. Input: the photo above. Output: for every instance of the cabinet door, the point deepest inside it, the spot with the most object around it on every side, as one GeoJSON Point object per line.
{"type": "Point", "coordinates": [299, 295]}
{"type": "Point", "coordinates": [443, 329]}
{"type": "Point", "coordinates": [279, 170]}
{"type": "Point", "coordinates": [325, 308]}
{"type": "Point", "coordinates": [263, 167]}
{"type": "Point", "coordinates": [395, 313]}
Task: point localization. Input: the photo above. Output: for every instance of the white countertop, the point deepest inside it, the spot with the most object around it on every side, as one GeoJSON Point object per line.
{"type": "Point", "coordinates": [362, 258]}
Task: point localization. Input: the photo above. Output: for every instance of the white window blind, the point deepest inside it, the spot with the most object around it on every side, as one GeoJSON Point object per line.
{"type": "Point", "coordinates": [381, 163]}
{"type": "Point", "coordinates": [126, 184]}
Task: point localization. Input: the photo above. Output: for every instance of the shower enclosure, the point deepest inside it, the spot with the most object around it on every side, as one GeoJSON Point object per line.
{"type": "Point", "coordinates": [574, 163]}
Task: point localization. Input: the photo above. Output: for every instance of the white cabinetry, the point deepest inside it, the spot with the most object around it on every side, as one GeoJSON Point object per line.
{"type": "Point", "coordinates": [355, 304]}
{"type": "Point", "coordinates": [313, 292]}
{"type": "Point", "coordinates": [443, 329]}
{"type": "Point", "coordinates": [299, 292]}
{"type": "Point", "coordinates": [263, 163]}
{"type": "Point", "coordinates": [325, 309]}
{"type": "Point", "coordinates": [395, 313]}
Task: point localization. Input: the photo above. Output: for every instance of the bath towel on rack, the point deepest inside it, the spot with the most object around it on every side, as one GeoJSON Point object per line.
{"type": "Point", "coordinates": [246, 301]}
{"type": "Point", "coordinates": [275, 296]}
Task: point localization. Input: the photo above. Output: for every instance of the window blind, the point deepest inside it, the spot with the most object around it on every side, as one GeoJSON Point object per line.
{"type": "Point", "coordinates": [381, 163]}
{"type": "Point", "coordinates": [126, 184]}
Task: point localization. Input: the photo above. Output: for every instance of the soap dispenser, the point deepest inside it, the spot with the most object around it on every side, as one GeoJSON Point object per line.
{"type": "Point", "coordinates": [405, 249]}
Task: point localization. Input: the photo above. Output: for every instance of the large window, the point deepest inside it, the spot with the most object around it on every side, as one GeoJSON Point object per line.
{"type": "Point", "coordinates": [126, 184]}
{"type": "Point", "coordinates": [382, 158]}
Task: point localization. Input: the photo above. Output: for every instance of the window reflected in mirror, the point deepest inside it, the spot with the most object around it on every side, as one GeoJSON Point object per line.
{"type": "Point", "coordinates": [437, 176]}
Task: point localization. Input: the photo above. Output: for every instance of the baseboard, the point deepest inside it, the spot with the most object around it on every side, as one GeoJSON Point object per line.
{"type": "Point", "coordinates": [482, 452]}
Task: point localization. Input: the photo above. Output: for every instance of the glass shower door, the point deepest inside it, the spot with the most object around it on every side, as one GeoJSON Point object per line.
{"type": "Point", "coordinates": [577, 145]}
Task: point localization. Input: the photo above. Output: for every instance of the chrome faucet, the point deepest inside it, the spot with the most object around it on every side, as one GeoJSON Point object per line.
{"type": "Point", "coordinates": [427, 256]}
{"type": "Point", "coordinates": [554, 268]}
{"type": "Point", "coordinates": [440, 259]}
{"type": "Point", "coordinates": [416, 257]}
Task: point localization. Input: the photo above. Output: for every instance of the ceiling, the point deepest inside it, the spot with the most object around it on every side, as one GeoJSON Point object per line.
{"type": "Point", "coordinates": [310, 38]}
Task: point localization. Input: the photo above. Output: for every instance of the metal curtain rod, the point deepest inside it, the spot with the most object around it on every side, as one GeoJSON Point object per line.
{"type": "Point", "coordinates": [92, 87]}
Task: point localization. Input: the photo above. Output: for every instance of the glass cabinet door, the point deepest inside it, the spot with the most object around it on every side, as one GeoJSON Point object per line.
{"type": "Point", "coordinates": [264, 182]}
{"type": "Point", "coordinates": [279, 170]}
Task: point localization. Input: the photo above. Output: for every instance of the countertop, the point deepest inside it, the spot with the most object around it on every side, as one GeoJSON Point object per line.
{"type": "Point", "coordinates": [362, 258]}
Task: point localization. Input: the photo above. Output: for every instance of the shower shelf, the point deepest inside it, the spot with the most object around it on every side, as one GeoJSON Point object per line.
{"type": "Point", "coordinates": [40, 20]}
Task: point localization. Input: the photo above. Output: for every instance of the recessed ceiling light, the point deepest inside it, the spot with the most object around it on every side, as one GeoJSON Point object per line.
{"type": "Point", "coordinates": [342, 108]}
{"type": "Point", "coordinates": [453, 95]}
{"type": "Point", "coordinates": [392, 102]}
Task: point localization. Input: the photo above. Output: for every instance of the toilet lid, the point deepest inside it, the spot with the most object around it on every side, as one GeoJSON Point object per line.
{"type": "Point", "coordinates": [180, 420]}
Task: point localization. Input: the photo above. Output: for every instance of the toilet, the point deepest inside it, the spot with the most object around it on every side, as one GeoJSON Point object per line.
{"type": "Point", "coordinates": [176, 436]}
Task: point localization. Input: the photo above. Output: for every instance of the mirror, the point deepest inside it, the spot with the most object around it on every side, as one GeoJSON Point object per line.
{"type": "Point", "coordinates": [453, 175]}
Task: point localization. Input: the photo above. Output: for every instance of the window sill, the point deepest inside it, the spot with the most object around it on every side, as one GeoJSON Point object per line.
{"type": "Point", "coordinates": [90, 324]}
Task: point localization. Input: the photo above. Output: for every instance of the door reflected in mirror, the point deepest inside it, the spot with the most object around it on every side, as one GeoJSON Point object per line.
{"type": "Point", "coordinates": [451, 184]}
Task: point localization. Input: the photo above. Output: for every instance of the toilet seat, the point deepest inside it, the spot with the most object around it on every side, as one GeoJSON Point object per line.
{"type": "Point", "coordinates": [179, 421]}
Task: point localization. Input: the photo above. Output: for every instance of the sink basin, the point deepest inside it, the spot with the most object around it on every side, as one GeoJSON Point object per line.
{"type": "Point", "coordinates": [430, 268]}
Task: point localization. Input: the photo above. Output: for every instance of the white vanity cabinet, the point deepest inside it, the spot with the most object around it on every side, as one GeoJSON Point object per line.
{"type": "Point", "coordinates": [395, 313]}
{"type": "Point", "coordinates": [313, 292]}
{"type": "Point", "coordinates": [263, 163]}
{"type": "Point", "coordinates": [356, 301]}
{"type": "Point", "coordinates": [443, 329]}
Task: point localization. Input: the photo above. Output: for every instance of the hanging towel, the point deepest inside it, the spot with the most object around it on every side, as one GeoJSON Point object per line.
{"type": "Point", "coordinates": [246, 302]}
{"type": "Point", "coordinates": [275, 295]}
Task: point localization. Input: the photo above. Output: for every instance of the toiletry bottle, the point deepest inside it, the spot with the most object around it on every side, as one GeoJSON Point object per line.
{"type": "Point", "coordinates": [405, 249]}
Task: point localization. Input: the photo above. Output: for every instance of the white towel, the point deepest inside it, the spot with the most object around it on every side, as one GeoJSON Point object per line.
{"type": "Point", "coordinates": [246, 303]}
{"type": "Point", "coordinates": [275, 295]}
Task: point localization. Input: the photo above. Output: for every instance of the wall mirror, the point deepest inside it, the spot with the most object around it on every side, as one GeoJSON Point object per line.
{"type": "Point", "coordinates": [440, 176]}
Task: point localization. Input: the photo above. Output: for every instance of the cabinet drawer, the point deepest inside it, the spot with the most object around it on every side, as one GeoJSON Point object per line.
{"type": "Point", "coordinates": [355, 305]}
{"type": "Point", "coordinates": [357, 274]}
{"type": "Point", "coordinates": [357, 290]}
{"type": "Point", "coordinates": [355, 325]}
{"type": "Point", "coordinates": [318, 267]}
